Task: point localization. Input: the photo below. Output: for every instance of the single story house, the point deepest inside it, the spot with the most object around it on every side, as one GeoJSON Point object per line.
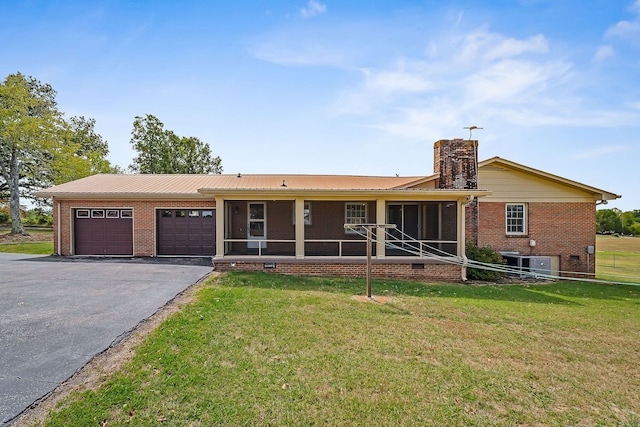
{"type": "Point", "coordinates": [304, 224]}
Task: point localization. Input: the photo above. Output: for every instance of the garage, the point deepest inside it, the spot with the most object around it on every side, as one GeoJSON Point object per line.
{"type": "Point", "coordinates": [189, 232]}
{"type": "Point", "coordinates": [103, 232]}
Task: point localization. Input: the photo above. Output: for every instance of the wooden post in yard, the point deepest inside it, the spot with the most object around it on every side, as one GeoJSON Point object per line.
{"type": "Point", "coordinates": [369, 228]}
{"type": "Point", "coordinates": [369, 244]}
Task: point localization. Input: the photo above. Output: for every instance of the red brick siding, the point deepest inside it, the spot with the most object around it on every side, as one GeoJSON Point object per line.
{"type": "Point", "coordinates": [431, 271]}
{"type": "Point", "coordinates": [559, 229]}
{"type": "Point", "coordinates": [471, 222]}
{"type": "Point", "coordinates": [143, 220]}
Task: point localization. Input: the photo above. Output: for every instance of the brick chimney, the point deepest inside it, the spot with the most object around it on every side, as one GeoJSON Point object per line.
{"type": "Point", "coordinates": [456, 160]}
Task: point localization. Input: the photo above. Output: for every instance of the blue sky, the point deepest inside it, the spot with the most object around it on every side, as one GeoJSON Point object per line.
{"type": "Point", "coordinates": [350, 87]}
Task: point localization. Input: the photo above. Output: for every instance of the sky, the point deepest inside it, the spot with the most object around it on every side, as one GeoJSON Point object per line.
{"type": "Point", "coordinates": [350, 87]}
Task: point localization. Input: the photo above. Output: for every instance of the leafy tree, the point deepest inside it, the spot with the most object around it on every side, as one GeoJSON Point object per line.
{"type": "Point", "coordinates": [162, 151]}
{"type": "Point", "coordinates": [29, 121]}
{"type": "Point", "coordinates": [630, 223]}
{"type": "Point", "coordinates": [38, 148]}
{"type": "Point", "coordinates": [609, 220]}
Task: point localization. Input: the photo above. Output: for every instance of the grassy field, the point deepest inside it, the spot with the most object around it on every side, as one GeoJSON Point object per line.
{"type": "Point", "coordinates": [618, 258]}
{"type": "Point", "coordinates": [269, 350]}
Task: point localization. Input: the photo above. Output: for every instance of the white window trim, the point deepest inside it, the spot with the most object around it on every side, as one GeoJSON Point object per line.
{"type": "Point", "coordinates": [525, 227]}
{"type": "Point", "coordinates": [346, 219]}
{"type": "Point", "coordinates": [307, 209]}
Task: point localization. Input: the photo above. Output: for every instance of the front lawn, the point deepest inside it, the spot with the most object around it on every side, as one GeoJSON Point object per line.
{"type": "Point", "coordinates": [270, 350]}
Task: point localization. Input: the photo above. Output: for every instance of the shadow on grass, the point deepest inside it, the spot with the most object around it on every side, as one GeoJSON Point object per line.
{"type": "Point", "coordinates": [549, 293]}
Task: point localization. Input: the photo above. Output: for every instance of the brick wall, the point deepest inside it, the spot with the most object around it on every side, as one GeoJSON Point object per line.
{"type": "Point", "coordinates": [559, 229]}
{"type": "Point", "coordinates": [471, 222]}
{"type": "Point", "coordinates": [143, 220]}
{"type": "Point", "coordinates": [430, 271]}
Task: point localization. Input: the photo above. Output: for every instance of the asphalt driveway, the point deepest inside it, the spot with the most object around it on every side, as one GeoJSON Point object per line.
{"type": "Point", "coordinates": [56, 314]}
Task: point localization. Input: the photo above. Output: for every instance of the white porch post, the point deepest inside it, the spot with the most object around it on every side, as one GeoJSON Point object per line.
{"type": "Point", "coordinates": [299, 227]}
{"type": "Point", "coordinates": [462, 236]}
{"type": "Point", "coordinates": [220, 228]}
{"type": "Point", "coordinates": [381, 218]}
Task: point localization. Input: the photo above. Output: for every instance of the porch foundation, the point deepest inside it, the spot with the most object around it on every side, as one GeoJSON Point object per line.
{"type": "Point", "coordinates": [415, 269]}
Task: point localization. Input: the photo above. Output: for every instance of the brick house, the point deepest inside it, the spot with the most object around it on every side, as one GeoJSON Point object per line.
{"type": "Point", "coordinates": [296, 223]}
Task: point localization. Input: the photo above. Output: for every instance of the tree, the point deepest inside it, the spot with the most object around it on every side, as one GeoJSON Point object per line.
{"type": "Point", "coordinates": [162, 151]}
{"type": "Point", "coordinates": [609, 220]}
{"type": "Point", "coordinates": [38, 148]}
{"type": "Point", "coordinates": [630, 223]}
{"type": "Point", "coordinates": [28, 123]}
{"type": "Point", "coordinates": [86, 151]}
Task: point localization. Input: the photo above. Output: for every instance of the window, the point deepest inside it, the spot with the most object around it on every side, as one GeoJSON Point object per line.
{"type": "Point", "coordinates": [166, 214]}
{"type": "Point", "coordinates": [194, 214]}
{"type": "Point", "coordinates": [516, 219]}
{"type": "Point", "coordinates": [82, 213]}
{"type": "Point", "coordinates": [181, 214]}
{"type": "Point", "coordinates": [355, 213]}
{"type": "Point", "coordinates": [306, 214]}
{"type": "Point", "coordinates": [126, 213]}
{"type": "Point", "coordinates": [113, 213]}
{"type": "Point", "coordinates": [97, 213]}
{"type": "Point", "coordinates": [207, 214]}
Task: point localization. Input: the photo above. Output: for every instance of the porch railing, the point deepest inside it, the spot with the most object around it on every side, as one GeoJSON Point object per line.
{"type": "Point", "coordinates": [416, 248]}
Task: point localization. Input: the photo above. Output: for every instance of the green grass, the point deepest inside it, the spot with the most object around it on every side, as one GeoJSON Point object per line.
{"type": "Point", "coordinates": [34, 248]}
{"type": "Point", "coordinates": [270, 350]}
{"type": "Point", "coordinates": [28, 247]}
{"type": "Point", "coordinates": [618, 258]}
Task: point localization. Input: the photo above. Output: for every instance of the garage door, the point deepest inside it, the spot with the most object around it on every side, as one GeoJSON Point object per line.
{"type": "Point", "coordinates": [186, 232]}
{"type": "Point", "coordinates": [103, 232]}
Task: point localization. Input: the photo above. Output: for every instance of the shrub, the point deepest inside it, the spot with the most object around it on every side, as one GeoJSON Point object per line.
{"type": "Point", "coordinates": [485, 254]}
{"type": "Point", "coordinates": [4, 217]}
{"type": "Point", "coordinates": [38, 217]}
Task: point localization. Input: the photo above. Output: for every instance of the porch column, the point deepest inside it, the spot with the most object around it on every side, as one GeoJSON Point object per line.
{"type": "Point", "coordinates": [220, 228]}
{"type": "Point", "coordinates": [299, 228]}
{"type": "Point", "coordinates": [381, 218]}
{"type": "Point", "coordinates": [461, 236]}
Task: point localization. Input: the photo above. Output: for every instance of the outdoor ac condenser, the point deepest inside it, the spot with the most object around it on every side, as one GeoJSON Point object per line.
{"type": "Point", "coordinates": [529, 264]}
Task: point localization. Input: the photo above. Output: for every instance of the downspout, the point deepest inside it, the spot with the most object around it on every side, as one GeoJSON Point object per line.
{"type": "Point", "coordinates": [462, 239]}
{"type": "Point", "coordinates": [58, 232]}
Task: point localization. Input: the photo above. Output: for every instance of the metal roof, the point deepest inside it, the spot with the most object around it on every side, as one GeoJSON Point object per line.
{"type": "Point", "coordinates": [188, 185]}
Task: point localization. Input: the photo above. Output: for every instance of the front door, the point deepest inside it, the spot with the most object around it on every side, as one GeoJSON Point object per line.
{"type": "Point", "coordinates": [257, 227]}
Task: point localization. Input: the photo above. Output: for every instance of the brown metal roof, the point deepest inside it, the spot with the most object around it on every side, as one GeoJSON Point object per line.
{"type": "Point", "coordinates": [188, 185]}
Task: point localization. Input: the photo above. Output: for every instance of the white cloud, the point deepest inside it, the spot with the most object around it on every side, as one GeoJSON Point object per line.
{"type": "Point", "coordinates": [488, 47]}
{"type": "Point", "coordinates": [513, 81]}
{"type": "Point", "coordinates": [604, 52]}
{"type": "Point", "coordinates": [599, 152]}
{"type": "Point", "coordinates": [450, 79]}
{"type": "Point", "coordinates": [397, 81]}
{"type": "Point", "coordinates": [627, 30]}
{"type": "Point", "coordinates": [313, 8]}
